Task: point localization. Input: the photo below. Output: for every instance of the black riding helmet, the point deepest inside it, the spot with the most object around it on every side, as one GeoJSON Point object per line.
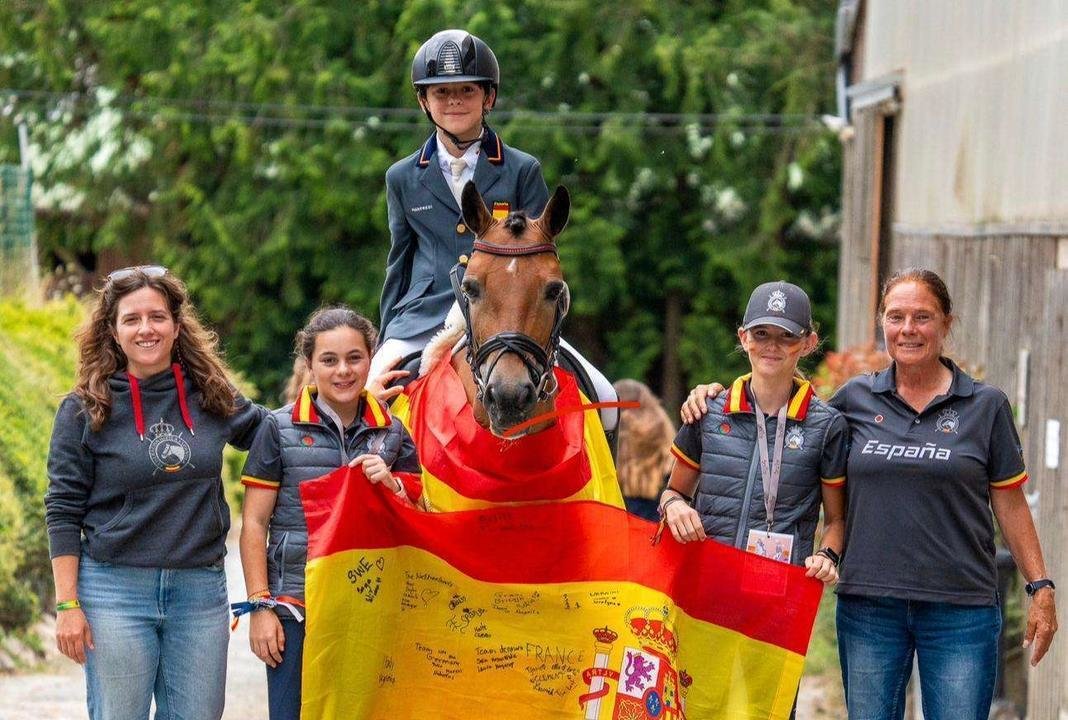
{"type": "Point", "coordinates": [455, 56]}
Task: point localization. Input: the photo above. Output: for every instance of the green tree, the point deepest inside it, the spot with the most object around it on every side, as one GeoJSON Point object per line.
{"type": "Point", "coordinates": [244, 144]}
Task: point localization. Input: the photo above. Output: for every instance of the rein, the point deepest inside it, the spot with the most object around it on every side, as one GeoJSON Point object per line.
{"type": "Point", "coordinates": [539, 360]}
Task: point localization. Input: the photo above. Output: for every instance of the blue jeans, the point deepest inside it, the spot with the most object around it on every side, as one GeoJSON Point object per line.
{"type": "Point", "coordinates": [157, 632]}
{"type": "Point", "coordinates": [956, 648]}
{"type": "Point", "coordinates": [283, 682]}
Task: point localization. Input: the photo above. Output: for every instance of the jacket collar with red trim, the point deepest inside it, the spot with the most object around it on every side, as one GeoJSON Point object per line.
{"type": "Point", "coordinates": [737, 398]}
{"type": "Point", "coordinates": [373, 413]}
{"type": "Point", "coordinates": [492, 148]}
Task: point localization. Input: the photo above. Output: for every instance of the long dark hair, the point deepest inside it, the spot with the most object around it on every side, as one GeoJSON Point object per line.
{"type": "Point", "coordinates": [100, 357]}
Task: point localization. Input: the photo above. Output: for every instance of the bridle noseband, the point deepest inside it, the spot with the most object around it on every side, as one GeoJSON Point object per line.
{"type": "Point", "coordinates": [538, 360]}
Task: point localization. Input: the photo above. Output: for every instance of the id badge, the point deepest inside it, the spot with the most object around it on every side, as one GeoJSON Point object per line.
{"type": "Point", "coordinates": [775, 546]}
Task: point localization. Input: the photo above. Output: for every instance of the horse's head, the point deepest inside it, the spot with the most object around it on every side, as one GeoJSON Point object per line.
{"type": "Point", "coordinates": [514, 299]}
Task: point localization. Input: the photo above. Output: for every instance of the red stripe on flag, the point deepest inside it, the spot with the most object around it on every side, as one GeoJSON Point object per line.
{"type": "Point", "coordinates": [570, 542]}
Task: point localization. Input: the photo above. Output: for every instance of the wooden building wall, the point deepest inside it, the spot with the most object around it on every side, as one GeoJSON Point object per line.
{"type": "Point", "coordinates": [970, 183]}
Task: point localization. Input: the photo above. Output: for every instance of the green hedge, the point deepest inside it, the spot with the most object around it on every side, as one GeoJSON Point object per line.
{"type": "Point", "coordinates": [37, 360]}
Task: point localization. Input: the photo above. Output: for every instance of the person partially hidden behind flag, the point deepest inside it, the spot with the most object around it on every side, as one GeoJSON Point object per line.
{"type": "Point", "coordinates": [753, 472]}
{"type": "Point", "coordinates": [333, 422]}
{"type": "Point", "coordinates": [643, 460]}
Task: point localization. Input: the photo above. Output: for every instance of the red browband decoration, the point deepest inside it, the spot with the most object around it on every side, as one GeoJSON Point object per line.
{"type": "Point", "coordinates": [516, 250]}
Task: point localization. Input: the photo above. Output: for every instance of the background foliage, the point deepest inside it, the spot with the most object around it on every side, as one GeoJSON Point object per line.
{"type": "Point", "coordinates": [36, 367]}
{"type": "Point", "coordinates": [244, 145]}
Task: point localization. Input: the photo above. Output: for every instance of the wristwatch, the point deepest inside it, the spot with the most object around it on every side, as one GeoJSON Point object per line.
{"type": "Point", "coordinates": [1036, 585]}
{"type": "Point", "coordinates": [830, 555]}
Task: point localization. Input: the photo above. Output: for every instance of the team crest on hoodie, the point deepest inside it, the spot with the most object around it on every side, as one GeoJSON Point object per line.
{"type": "Point", "coordinates": [168, 451]}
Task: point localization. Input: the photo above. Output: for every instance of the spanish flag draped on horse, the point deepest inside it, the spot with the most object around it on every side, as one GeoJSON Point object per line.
{"type": "Point", "coordinates": [466, 467]}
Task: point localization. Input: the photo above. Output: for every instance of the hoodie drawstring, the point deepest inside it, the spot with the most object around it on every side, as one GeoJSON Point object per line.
{"type": "Point", "coordinates": [138, 411]}
{"type": "Point", "coordinates": [179, 381]}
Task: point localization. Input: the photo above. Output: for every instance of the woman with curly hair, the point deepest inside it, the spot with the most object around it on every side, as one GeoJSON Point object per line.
{"type": "Point", "coordinates": [135, 510]}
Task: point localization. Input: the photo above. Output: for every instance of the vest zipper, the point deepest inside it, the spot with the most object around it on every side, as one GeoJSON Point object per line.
{"type": "Point", "coordinates": [282, 562]}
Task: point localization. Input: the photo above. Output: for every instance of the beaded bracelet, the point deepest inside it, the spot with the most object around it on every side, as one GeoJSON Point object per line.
{"type": "Point", "coordinates": [68, 605]}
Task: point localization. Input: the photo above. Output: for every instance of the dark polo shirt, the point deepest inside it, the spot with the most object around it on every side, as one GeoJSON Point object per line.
{"type": "Point", "coordinates": [919, 525]}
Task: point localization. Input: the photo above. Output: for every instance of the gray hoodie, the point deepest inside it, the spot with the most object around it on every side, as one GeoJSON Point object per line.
{"type": "Point", "coordinates": [146, 489]}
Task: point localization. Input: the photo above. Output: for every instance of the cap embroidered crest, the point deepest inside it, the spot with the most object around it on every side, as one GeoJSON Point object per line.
{"type": "Point", "coordinates": [948, 421]}
{"type": "Point", "coordinates": [777, 301]}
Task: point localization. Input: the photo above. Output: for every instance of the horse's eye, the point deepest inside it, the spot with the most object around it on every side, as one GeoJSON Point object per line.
{"type": "Point", "coordinates": [471, 289]}
{"type": "Point", "coordinates": [554, 290]}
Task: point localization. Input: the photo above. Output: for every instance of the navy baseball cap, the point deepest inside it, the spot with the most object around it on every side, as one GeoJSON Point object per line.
{"type": "Point", "coordinates": [781, 304]}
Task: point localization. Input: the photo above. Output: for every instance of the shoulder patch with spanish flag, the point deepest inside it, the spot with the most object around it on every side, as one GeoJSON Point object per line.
{"type": "Point", "coordinates": [304, 409]}
{"type": "Point", "coordinates": [375, 413]}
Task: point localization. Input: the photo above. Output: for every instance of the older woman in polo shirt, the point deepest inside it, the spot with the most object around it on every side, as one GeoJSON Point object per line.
{"type": "Point", "coordinates": [932, 452]}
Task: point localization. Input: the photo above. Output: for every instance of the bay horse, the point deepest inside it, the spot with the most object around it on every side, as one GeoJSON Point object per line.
{"type": "Point", "coordinates": [464, 409]}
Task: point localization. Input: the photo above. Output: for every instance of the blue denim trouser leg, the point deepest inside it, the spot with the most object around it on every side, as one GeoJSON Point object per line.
{"type": "Point", "coordinates": [157, 632]}
{"type": "Point", "coordinates": [283, 682]}
{"type": "Point", "coordinates": [956, 648]}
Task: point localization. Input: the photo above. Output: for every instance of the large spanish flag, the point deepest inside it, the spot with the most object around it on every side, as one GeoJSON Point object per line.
{"type": "Point", "coordinates": [554, 610]}
{"type": "Point", "coordinates": [466, 467]}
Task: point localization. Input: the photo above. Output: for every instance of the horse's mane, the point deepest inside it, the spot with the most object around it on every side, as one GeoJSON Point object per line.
{"type": "Point", "coordinates": [441, 345]}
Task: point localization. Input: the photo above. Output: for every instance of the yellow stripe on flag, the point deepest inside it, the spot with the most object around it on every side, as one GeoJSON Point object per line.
{"type": "Point", "coordinates": [410, 624]}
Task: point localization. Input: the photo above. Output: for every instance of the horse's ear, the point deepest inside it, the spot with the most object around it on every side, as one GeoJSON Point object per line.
{"type": "Point", "coordinates": [476, 215]}
{"type": "Point", "coordinates": [557, 211]}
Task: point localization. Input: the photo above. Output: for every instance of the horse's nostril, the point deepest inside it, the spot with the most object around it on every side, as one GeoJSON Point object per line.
{"type": "Point", "coordinates": [526, 397]}
{"type": "Point", "coordinates": [489, 395]}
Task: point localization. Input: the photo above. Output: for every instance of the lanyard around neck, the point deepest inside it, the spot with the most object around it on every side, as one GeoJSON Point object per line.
{"type": "Point", "coordinates": [770, 470]}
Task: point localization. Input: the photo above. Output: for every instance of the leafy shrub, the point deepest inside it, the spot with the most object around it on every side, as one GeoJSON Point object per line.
{"type": "Point", "coordinates": [37, 361]}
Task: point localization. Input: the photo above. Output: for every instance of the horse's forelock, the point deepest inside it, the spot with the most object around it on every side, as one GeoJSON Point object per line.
{"type": "Point", "coordinates": [516, 223]}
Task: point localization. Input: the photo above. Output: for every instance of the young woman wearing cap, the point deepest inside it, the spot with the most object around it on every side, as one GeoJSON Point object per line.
{"type": "Point", "coordinates": [456, 79]}
{"type": "Point", "coordinates": [135, 509]}
{"type": "Point", "coordinates": [755, 470]}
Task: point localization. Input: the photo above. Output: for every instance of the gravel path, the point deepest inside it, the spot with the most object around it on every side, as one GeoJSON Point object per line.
{"type": "Point", "coordinates": [57, 691]}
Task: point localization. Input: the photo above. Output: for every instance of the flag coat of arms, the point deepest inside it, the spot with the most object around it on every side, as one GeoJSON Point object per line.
{"type": "Point", "coordinates": [548, 610]}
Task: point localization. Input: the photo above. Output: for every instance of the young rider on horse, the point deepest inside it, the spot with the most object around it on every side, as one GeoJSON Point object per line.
{"type": "Point", "coordinates": [456, 78]}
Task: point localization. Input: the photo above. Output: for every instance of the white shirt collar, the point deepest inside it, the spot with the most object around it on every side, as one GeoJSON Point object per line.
{"type": "Point", "coordinates": [470, 156]}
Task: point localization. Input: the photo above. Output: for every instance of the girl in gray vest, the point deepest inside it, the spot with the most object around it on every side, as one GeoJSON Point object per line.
{"type": "Point", "coordinates": [754, 471]}
{"type": "Point", "coordinates": [333, 422]}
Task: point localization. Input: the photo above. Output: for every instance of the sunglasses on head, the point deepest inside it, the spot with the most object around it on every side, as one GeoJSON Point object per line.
{"type": "Point", "coordinates": [152, 271]}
